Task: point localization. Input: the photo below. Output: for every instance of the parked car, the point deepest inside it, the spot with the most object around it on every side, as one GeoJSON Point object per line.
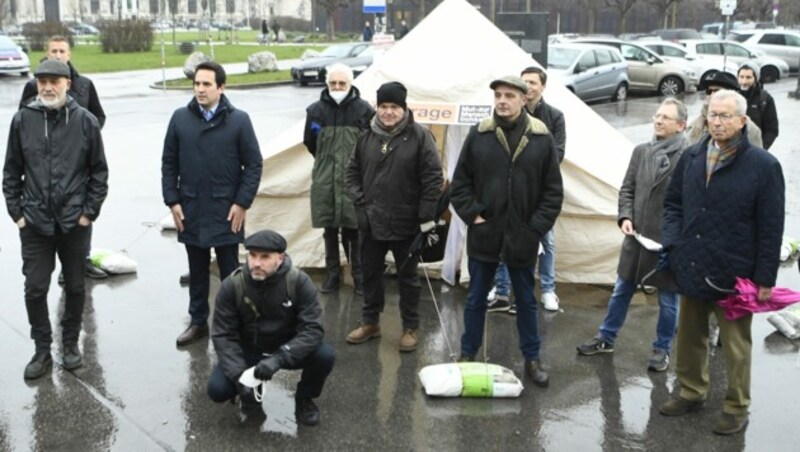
{"type": "Point", "coordinates": [649, 72]}
{"type": "Point", "coordinates": [12, 58]}
{"type": "Point", "coordinates": [783, 44]}
{"type": "Point", "coordinates": [592, 72]}
{"type": "Point", "coordinates": [703, 64]}
{"type": "Point", "coordinates": [676, 34]}
{"type": "Point", "coordinates": [357, 55]}
{"type": "Point", "coordinates": [771, 68]}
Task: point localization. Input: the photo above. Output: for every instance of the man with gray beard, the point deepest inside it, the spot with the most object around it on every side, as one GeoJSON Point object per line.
{"type": "Point", "coordinates": [55, 180]}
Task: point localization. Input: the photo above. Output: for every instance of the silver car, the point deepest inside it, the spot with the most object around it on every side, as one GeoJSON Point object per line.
{"type": "Point", "coordinates": [772, 69]}
{"type": "Point", "coordinates": [590, 71]}
{"type": "Point", "coordinates": [649, 72]}
{"type": "Point", "coordinates": [703, 64]}
{"type": "Point", "coordinates": [783, 44]}
{"type": "Point", "coordinates": [12, 58]}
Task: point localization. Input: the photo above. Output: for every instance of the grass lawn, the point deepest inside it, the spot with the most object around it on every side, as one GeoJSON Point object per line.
{"type": "Point", "coordinates": [89, 58]}
{"type": "Point", "coordinates": [241, 79]}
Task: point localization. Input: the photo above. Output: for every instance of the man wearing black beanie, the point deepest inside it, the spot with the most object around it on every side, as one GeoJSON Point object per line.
{"type": "Point", "coordinates": [395, 179]}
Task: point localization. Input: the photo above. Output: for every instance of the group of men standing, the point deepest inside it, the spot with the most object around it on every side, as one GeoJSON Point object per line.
{"type": "Point", "coordinates": [717, 206]}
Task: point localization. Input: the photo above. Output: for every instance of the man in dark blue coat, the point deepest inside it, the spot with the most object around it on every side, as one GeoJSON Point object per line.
{"type": "Point", "coordinates": [723, 218]}
{"type": "Point", "coordinates": [210, 170]}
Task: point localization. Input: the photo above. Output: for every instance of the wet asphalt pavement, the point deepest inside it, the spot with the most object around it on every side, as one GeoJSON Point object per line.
{"type": "Point", "coordinates": [137, 391]}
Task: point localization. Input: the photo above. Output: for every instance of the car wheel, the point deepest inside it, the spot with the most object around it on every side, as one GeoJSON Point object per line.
{"type": "Point", "coordinates": [670, 86]}
{"type": "Point", "coordinates": [621, 93]}
{"type": "Point", "coordinates": [769, 74]}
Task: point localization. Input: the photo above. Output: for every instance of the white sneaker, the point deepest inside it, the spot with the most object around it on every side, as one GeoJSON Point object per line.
{"type": "Point", "coordinates": [492, 294]}
{"type": "Point", "coordinates": [550, 301]}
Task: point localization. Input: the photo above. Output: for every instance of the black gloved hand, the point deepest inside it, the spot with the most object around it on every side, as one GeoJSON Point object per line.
{"type": "Point", "coordinates": [663, 261]}
{"type": "Point", "coordinates": [267, 367]}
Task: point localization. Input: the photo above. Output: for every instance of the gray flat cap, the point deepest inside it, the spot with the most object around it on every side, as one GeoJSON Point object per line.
{"type": "Point", "coordinates": [52, 68]}
{"type": "Point", "coordinates": [511, 81]}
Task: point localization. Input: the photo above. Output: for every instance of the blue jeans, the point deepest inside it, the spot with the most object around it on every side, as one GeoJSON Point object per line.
{"type": "Point", "coordinates": [481, 275]}
{"type": "Point", "coordinates": [547, 269]}
{"type": "Point", "coordinates": [618, 310]}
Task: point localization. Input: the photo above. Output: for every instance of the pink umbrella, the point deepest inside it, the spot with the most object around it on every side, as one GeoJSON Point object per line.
{"type": "Point", "coordinates": [743, 300]}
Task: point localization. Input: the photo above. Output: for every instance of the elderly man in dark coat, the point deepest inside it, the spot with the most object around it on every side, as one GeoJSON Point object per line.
{"type": "Point", "coordinates": [507, 188]}
{"type": "Point", "coordinates": [641, 202]}
{"type": "Point", "coordinates": [210, 170]}
{"type": "Point", "coordinates": [723, 218]}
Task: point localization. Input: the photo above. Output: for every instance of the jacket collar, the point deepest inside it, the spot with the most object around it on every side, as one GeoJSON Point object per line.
{"type": "Point", "coordinates": [701, 146]}
{"type": "Point", "coordinates": [223, 108]}
{"type": "Point", "coordinates": [534, 126]}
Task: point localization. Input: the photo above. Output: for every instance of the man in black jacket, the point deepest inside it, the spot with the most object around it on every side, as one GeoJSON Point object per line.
{"type": "Point", "coordinates": [395, 179]}
{"type": "Point", "coordinates": [83, 92]}
{"type": "Point", "coordinates": [507, 189]}
{"type": "Point", "coordinates": [267, 315]}
{"type": "Point", "coordinates": [54, 182]}
{"type": "Point", "coordinates": [760, 104]}
{"type": "Point", "coordinates": [210, 171]}
{"type": "Point", "coordinates": [333, 124]}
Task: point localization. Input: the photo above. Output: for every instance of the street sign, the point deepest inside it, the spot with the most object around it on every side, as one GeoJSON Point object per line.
{"type": "Point", "coordinates": [727, 7]}
{"type": "Point", "coordinates": [374, 7]}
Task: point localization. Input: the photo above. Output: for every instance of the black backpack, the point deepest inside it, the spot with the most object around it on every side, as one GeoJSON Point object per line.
{"type": "Point", "coordinates": [237, 278]}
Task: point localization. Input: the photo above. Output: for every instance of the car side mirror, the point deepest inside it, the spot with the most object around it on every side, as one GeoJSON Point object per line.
{"type": "Point", "coordinates": [578, 69]}
{"type": "Point", "coordinates": [651, 59]}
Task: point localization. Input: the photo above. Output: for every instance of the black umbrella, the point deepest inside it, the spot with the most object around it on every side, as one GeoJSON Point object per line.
{"type": "Point", "coordinates": [427, 240]}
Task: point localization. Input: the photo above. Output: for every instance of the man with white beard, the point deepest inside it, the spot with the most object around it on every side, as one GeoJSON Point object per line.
{"type": "Point", "coordinates": [55, 180]}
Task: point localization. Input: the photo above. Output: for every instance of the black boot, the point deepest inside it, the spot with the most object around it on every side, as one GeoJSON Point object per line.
{"type": "Point", "coordinates": [537, 374]}
{"type": "Point", "coordinates": [72, 358]}
{"type": "Point", "coordinates": [38, 365]}
{"type": "Point", "coordinates": [332, 282]}
{"type": "Point", "coordinates": [306, 411]}
{"type": "Point", "coordinates": [93, 272]}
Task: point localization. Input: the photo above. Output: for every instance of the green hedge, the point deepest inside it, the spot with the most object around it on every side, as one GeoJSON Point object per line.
{"type": "Point", "coordinates": [126, 36]}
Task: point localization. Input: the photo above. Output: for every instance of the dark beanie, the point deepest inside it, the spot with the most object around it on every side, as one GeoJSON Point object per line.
{"type": "Point", "coordinates": [393, 92]}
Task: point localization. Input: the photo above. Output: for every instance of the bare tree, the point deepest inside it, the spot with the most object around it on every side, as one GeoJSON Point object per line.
{"type": "Point", "coordinates": [5, 9]}
{"type": "Point", "coordinates": [662, 8]}
{"type": "Point", "coordinates": [590, 6]}
{"type": "Point", "coordinates": [622, 7]}
{"type": "Point", "coordinates": [330, 7]}
{"type": "Point", "coordinates": [759, 10]}
{"type": "Point", "coordinates": [173, 10]}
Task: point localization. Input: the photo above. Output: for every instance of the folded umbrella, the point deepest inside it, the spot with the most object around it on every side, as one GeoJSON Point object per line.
{"type": "Point", "coordinates": [425, 240]}
{"type": "Point", "coordinates": [743, 300]}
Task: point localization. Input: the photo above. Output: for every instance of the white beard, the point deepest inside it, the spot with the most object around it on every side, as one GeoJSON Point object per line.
{"type": "Point", "coordinates": [56, 103]}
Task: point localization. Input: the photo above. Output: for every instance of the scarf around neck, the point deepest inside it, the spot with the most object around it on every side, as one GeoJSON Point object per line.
{"type": "Point", "coordinates": [664, 150]}
{"type": "Point", "coordinates": [718, 158]}
{"type": "Point", "coordinates": [385, 133]}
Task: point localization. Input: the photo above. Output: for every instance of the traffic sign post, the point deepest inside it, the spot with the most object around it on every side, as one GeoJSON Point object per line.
{"type": "Point", "coordinates": [727, 7]}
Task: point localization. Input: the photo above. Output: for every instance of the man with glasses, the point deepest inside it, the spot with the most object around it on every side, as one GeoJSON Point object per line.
{"type": "Point", "coordinates": [711, 83]}
{"type": "Point", "coordinates": [641, 202]}
{"type": "Point", "coordinates": [723, 219]}
{"type": "Point", "coordinates": [333, 124]}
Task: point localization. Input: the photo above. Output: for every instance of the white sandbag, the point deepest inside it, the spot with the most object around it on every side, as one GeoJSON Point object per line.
{"type": "Point", "coordinates": [113, 262]}
{"type": "Point", "coordinates": [469, 380]}
{"type": "Point", "coordinates": [167, 223]}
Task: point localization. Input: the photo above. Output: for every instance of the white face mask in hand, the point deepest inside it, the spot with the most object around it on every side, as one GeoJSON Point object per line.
{"type": "Point", "coordinates": [338, 96]}
{"type": "Point", "coordinates": [248, 379]}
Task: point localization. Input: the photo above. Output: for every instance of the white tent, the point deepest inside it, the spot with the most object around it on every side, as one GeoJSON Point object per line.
{"type": "Point", "coordinates": [447, 62]}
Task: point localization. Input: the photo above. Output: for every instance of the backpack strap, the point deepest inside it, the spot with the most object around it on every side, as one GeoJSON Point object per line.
{"type": "Point", "coordinates": [237, 278]}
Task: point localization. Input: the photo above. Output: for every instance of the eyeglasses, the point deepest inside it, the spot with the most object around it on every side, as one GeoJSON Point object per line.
{"type": "Point", "coordinates": [337, 83]}
{"type": "Point", "coordinates": [724, 117]}
{"type": "Point", "coordinates": [659, 116]}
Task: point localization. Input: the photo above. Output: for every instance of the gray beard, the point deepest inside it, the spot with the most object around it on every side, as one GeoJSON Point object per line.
{"type": "Point", "coordinates": [54, 104]}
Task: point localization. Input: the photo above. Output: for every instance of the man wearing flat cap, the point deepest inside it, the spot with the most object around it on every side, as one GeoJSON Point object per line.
{"type": "Point", "coordinates": [507, 189]}
{"type": "Point", "coordinates": [55, 180]}
{"type": "Point", "coordinates": [395, 179]}
{"type": "Point", "coordinates": [268, 316]}
{"type": "Point", "coordinates": [711, 83]}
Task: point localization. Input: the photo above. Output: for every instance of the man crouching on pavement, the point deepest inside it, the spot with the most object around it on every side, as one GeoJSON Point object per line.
{"type": "Point", "coordinates": [267, 315]}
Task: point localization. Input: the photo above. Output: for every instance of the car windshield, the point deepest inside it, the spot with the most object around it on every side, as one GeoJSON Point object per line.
{"type": "Point", "coordinates": [561, 58]}
{"type": "Point", "coordinates": [7, 43]}
{"type": "Point", "coordinates": [367, 52]}
{"type": "Point", "coordinates": [336, 51]}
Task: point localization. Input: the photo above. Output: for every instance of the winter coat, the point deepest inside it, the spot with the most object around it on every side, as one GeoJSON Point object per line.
{"type": "Point", "coordinates": [518, 193]}
{"type": "Point", "coordinates": [82, 90]}
{"type": "Point", "coordinates": [330, 135]}
{"type": "Point", "coordinates": [554, 120]}
{"type": "Point", "coordinates": [55, 168]}
{"type": "Point", "coordinates": [207, 167]}
{"type": "Point", "coordinates": [732, 227]}
{"type": "Point", "coordinates": [397, 190]}
{"type": "Point", "coordinates": [761, 109]}
{"type": "Point", "coordinates": [641, 200]}
{"type": "Point", "coordinates": [289, 328]}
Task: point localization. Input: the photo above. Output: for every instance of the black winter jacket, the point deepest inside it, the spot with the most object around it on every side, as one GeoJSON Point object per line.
{"type": "Point", "coordinates": [206, 167]}
{"type": "Point", "coordinates": [761, 109]}
{"type": "Point", "coordinates": [554, 120]}
{"type": "Point", "coordinates": [82, 90]}
{"type": "Point", "coordinates": [55, 168]}
{"type": "Point", "coordinates": [732, 227]}
{"type": "Point", "coordinates": [397, 190]}
{"type": "Point", "coordinates": [518, 193]}
{"type": "Point", "coordinates": [290, 329]}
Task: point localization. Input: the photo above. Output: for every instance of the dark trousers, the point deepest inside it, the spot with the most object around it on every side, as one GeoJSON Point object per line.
{"type": "Point", "coordinates": [199, 261]}
{"type": "Point", "coordinates": [88, 241]}
{"type": "Point", "coordinates": [316, 368]}
{"type": "Point", "coordinates": [373, 256]}
{"type": "Point", "coordinates": [351, 251]}
{"type": "Point", "coordinates": [38, 262]}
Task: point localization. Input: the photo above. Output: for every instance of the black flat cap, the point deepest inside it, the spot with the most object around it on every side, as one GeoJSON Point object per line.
{"type": "Point", "coordinates": [719, 78]}
{"type": "Point", "coordinates": [266, 240]}
{"type": "Point", "coordinates": [53, 68]}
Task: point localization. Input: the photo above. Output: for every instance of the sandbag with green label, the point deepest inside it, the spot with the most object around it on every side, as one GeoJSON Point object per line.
{"type": "Point", "coordinates": [469, 380]}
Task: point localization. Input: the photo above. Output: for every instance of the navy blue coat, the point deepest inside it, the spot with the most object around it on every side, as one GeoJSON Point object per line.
{"type": "Point", "coordinates": [206, 168]}
{"type": "Point", "coordinates": [733, 227]}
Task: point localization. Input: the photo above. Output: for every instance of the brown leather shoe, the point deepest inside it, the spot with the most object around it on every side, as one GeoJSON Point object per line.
{"type": "Point", "coordinates": [680, 406]}
{"type": "Point", "coordinates": [729, 424]}
{"type": "Point", "coordinates": [408, 341]}
{"type": "Point", "coordinates": [192, 333]}
{"type": "Point", "coordinates": [363, 333]}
